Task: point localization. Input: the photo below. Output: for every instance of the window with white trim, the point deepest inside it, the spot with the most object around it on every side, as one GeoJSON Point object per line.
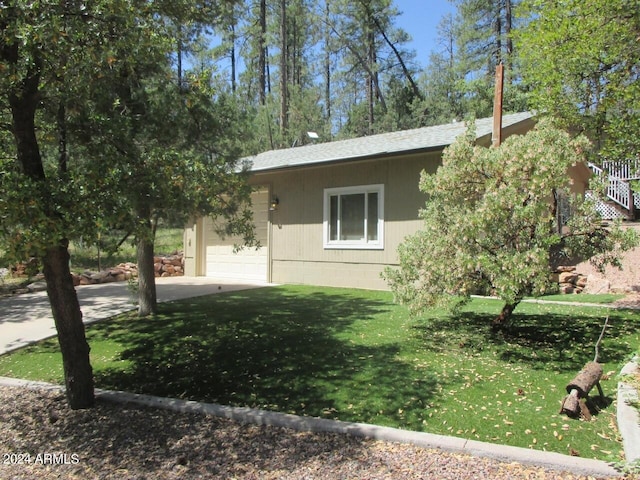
{"type": "Point", "coordinates": [354, 217]}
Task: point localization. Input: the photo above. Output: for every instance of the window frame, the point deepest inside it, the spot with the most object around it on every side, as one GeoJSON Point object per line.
{"type": "Point", "coordinates": [362, 244]}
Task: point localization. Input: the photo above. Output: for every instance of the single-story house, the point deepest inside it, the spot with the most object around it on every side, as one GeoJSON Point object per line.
{"type": "Point", "coordinates": [334, 213]}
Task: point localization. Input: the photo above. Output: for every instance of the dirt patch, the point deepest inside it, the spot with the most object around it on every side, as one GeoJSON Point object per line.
{"type": "Point", "coordinates": [615, 280]}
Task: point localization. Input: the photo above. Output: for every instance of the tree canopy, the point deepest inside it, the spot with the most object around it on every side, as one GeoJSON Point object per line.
{"type": "Point", "coordinates": [99, 133]}
{"type": "Point", "coordinates": [491, 223]}
{"type": "Point", "coordinates": [581, 63]}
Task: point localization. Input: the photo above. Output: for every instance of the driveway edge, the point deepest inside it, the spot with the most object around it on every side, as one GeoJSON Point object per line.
{"type": "Point", "coordinates": [549, 460]}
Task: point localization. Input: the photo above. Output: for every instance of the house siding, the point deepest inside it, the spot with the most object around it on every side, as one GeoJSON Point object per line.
{"type": "Point", "coordinates": [297, 254]}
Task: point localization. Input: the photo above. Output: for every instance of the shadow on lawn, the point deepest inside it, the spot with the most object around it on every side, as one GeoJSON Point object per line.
{"type": "Point", "coordinates": [271, 349]}
{"type": "Point", "coordinates": [562, 342]}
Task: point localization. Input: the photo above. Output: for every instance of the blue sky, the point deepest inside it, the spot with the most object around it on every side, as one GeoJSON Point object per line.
{"type": "Point", "coordinates": [419, 18]}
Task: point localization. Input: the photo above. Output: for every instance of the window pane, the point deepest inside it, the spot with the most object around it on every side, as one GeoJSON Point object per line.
{"type": "Point", "coordinates": [333, 218]}
{"type": "Point", "coordinates": [372, 217]}
{"type": "Point", "coordinates": [352, 221]}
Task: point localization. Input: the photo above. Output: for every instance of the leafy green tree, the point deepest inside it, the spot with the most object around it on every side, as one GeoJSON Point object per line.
{"type": "Point", "coordinates": [491, 223]}
{"type": "Point", "coordinates": [49, 51]}
{"type": "Point", "coordinates": [367, 41]}
{"type": "Point", "coordinates": [164, 146]}
{"type": "Point", "coordinates": [581, 61]}
{"type": "Point", "coordinates": [93, 112]}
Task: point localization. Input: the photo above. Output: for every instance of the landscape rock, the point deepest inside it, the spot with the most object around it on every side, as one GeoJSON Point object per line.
{"type": "Point", "coordinates": [38, 286]}
{"type": "Point", "coordinates": [565, 268]}
{"type": "Point", "coordinates": [164, 266]}
{"type": "Point", "coordinates": [568, 277]}
{"type": "Point", "coordinates": [569, 280]}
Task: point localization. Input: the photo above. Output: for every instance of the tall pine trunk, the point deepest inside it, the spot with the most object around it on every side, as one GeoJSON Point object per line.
{"type": "Point", "coordinates": [262, 56]}
{"type": "Point", "coordinates": [284, 71]}
{"type": "Point", "coordinates": [78, 374]}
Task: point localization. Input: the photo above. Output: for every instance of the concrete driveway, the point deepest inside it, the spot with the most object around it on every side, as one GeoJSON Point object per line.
{"type": "Point", "coordinates": [27, 318]}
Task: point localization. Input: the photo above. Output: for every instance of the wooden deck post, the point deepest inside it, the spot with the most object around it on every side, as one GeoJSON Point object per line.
{"type": "Point", "coordinates": [497, 106]}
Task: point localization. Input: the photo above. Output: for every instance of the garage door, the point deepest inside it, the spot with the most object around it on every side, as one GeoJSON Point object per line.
{"type": "Point", "coordinates": [247, 264]}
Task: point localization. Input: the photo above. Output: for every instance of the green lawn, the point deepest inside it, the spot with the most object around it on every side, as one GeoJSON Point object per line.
{"type": "Point", "coordinates": [354, 355]}
{"type": "Point", "coordinates": [583, 297]}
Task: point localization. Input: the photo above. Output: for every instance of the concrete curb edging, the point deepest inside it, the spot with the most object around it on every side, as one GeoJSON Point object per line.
{"type": "Point", "coordinates": [627, 415]}
{"type": "Point", "coordinates": [549, 460]}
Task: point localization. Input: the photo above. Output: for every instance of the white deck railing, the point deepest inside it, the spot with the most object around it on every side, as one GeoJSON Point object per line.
{"type": "Point", "coordinates": [618, 188]}
{"type": "Point", "coordinates": [629, 170]}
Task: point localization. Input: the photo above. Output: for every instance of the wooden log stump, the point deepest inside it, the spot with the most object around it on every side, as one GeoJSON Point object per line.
{"type": "Point", "coordinates": [574, 403]}
{"type": "Point", "coordinates": [586, 379]}
{"type": "Point", "coordinates": [571, 404]}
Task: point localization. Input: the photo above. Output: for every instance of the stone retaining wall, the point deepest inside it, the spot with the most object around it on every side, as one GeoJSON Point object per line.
{"type": "Point", "coordinates": [569, 280]}
{"type": "Point", "coordinates": [163, 265]}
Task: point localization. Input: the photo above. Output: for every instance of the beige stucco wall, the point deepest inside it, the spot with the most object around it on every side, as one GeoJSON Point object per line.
{"type": "Point", "coordinates": [295, 229]}
{"type": "Point", "coordinates": [297, 254]}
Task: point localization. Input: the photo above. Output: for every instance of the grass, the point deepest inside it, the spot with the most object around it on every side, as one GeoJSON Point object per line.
{"type": "Point", "coordinates": [603, 298]}
{"type": "Point", "coordinates": [354, 355]}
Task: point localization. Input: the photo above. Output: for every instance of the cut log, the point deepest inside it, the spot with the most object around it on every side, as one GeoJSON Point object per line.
{"type": "Point", "coordinates": [574, 406]}
{"type": "Point", "coordinates": [571, 404]}
{"type": "Point", "coordinates": [586, 379]}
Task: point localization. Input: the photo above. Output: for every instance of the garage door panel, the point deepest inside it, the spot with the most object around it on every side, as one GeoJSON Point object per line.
{"type": "Point", "coordinates": [247, 264]}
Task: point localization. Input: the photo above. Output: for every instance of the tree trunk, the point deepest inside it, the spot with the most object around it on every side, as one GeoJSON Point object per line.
{"type": "Point", "coordinates": [78, 374]}
{"type": "Point", "coordinates": [405, 70]}
{"type": "Point", "coordinates": [284, 69]}
{"type": "Point", "coordinates": [232, 55]}
{"type": "Point", "coordinates": [503, 318]}
{"type": "Point", "coordinates": [262, 56]}
{"type": "Point", "coordinates": [507, 31]}
{"type": "Point", "coordinates": [147, 299]}
{"type": "Point", "coordinates": [586, 379]}
{"type": "Point", "coordinates": [370, 81]}
{"type": "Point", "coordinates": [327, 64]}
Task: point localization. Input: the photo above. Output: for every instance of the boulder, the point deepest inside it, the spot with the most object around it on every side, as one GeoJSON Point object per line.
{"type": "Point", "coordinates": [568, 277]}
{"type": "Point", "coordinates": [582, 281]}
{"type": "Point", "coordinates": [565, 268]}
{"type": "Point", "coordinates": [37, 286]}
{"type": "Point", "coordinates": [170, 269]}
{"type": "Point", "coordinates": [567, 288]}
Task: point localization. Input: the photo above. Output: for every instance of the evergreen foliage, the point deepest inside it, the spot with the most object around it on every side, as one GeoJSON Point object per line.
{"type": "Point", "coordinates": [491, 223]}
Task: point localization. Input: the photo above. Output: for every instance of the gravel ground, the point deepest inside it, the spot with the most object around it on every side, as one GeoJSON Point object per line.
{"type": "Point", "coordinates": [115, 441]}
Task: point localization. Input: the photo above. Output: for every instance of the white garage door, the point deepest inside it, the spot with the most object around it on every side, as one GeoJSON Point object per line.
{"type": "Point", "coordinates": [247, 264]}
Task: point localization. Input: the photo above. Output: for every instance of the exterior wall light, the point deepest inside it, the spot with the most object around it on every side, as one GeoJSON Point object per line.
{"type": "Point", "coordinates": [274, 203]}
